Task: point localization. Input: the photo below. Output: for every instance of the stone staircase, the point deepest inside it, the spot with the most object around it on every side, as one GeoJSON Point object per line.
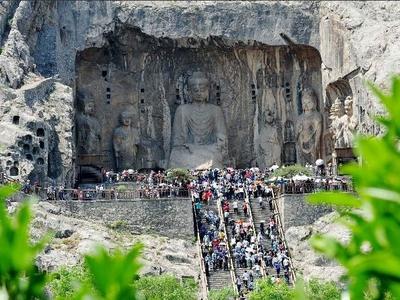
{"type": "Point", "coordinates": [217, 279]}
{"type": "Point", "coordinates": [262, 214]}
{"type": "Point", "coordinates": [236, 217]}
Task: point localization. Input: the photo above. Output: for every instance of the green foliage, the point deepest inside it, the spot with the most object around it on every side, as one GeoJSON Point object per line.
{"type": "Point", "coordinates": [372, 255]}
{"type": "Point", "coordinates": [317, 290]}
{"type": "Point", "coordinates": [108, 277]}
{"type": "Point", "coordinates": [290, 171]}
{"type": "Point", "coordinates": [65, 282]}
{"type": "Point", "coordinates": [112, 275]}
{"type": "Point", "coordinates": [265, 289]}
{"type": "Point", "coordinates": [19, 277]}
{"type": "Point", "coordinates": [222, 294]}
{"type": "Point", "coordinates": [314, 290]}
{"type": "Point", "coordinates": [122, 188]}
{"type": "Point", "coordinates": [165, 287]}
{"type": "Point", "coordinates": [181, 175]}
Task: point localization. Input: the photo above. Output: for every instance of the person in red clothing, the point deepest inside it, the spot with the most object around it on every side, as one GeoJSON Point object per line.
{"type": "Point", "coordinates": [245, 208]}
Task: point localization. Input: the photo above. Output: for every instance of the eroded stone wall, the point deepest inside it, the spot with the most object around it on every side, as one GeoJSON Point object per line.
{"type": "Point", "coordinates": [296, 211]}
{"type": "Point", "coordinates": [172, 218]}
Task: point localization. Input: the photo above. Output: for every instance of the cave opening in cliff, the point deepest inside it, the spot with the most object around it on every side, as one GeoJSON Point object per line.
{"type": "Point", "coordinates": [257, 86]}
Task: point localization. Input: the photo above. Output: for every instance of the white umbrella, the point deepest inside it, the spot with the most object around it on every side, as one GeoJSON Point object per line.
{"type": "Point", "coordinates": [131, 171]}
{"type": "Point", "coordinates": [300, 177]}
{"type": "Point", "coordinates": [319, 162]}
{"type": "Point", "coordinates": [274, 167]}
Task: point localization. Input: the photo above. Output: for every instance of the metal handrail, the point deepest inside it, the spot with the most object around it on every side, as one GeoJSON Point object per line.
{"type": "Point", "coordinates": [203, 274]}
{"type": "Point", "coordinates": [228, 248]}
{"type": "Point", "coordinates": [113, 194]}
{"type": "Point", "coordinates": [282, 235]}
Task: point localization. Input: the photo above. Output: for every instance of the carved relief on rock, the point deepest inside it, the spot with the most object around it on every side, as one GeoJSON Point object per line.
{"type": "Point", "coordinates": [199, 138]}
{"type": "Point", "coordinates": [309, 128]}
{"type": "Point", "coordinates": [269, 151]}
{"type": "Point", "coordinates": [88, 128]}
{"type": "Point", "coordinates": [125, 142]}
{"type": "Point", "coordinates": [343, 123]}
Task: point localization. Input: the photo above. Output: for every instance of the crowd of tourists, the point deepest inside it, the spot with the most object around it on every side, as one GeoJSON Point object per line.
{"type": "Point", "coordinates": [230, 190]}
{"type": "Point", "coordinates": [154, 184]}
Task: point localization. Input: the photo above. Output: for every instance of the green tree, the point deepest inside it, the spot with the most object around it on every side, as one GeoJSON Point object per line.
{"type": "Point", "coordinates": [265, 289]}
{"type": "Point", "coordinates": [290, 171]}
{"type": "Point", "coordinates": [372, 255]}
{"type": "Point", "coordinates": [165, 287]}
{"type": "Point", "coordinates": [318, 290]}
{"type": "Point", "coordinates": [181, 175]}
{"type": "Point", "coordinates": [65, 282]}
{"type": "Point", "coordinates": [222, 294]}
{"type": "Point", "coordinates": [112, 275]}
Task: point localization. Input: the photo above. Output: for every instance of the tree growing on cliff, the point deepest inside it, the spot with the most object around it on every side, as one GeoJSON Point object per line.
{"type": "Point", "coordinates": [372, 255]}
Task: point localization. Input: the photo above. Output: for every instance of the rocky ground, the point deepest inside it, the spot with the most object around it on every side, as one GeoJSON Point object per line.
{"type": "Point", "coordinates": [309, 263]}
{"type": "Point", "coordinates": [73, 238]}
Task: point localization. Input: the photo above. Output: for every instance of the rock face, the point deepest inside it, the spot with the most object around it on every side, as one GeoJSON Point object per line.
{"type": "Point", "coordinates": [76, 237]}
{"type": "Point", "coordinates": [137, 56]}
{"type": "Point", "coordinates": [306, 261]}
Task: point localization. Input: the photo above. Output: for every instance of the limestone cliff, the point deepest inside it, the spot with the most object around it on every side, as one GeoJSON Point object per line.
{"type": "Point", "coordinates": [306, 261]}
{"type": "Point", "coordinates": [46, 44]}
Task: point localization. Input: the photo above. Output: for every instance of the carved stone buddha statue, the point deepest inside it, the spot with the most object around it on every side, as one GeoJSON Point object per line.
{"type": "Point", "coordinates": [125, 143]}
{"type": "Point", "coordinates": [199, 138]}
{"type": "Point", "coordinates": [309, 128]}
{"type": "Point", "coordinates": [88, 128]}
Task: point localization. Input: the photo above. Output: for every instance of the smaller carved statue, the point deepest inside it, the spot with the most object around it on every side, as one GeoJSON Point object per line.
{"type": "Point", "coordinates": [269, 143]}
{"type": "Point", "coordinates": [309, 127]}
{"type": "Point", "coordinates": [88, 128]}
{"type": "Point", "coordinates": [343, 123]}
{"type": "Point", "coordinates": [125, 142]}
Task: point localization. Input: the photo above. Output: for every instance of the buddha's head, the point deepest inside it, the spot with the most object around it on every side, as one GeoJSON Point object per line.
{"type": "Point", "coordinates": [269, 115]}
{"type": "Point", "coordinates": [309, 100]}
{"type": "Point", "coordinates": [198, 86]}
{"type": "Point", "coordinates": [89, 107]}
{"type": "Point", "coordinates": [126, 118]}
{"type": "Point", "coordinates": [337, 108]}
{"type": "Point", "coordinates": [86, 103]}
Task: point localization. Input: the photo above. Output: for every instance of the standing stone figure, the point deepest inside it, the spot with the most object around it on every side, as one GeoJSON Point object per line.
{"type": "Point", "coordinates": [88, 128]}
{"type": "Point", "coordinates": [343, 123]}
{"type": "Point", "coordinates": [309, 128]}
{"type": "Point", "coordinates": [269, 143]}
{"type": "Point", "coordinates": [199, 138]}
{"type": "Point", "coordinates": [125, 142]}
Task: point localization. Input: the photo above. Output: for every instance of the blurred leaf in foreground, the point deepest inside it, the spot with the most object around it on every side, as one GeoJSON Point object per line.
{"type": "Point", "coordinates": [372, 256]}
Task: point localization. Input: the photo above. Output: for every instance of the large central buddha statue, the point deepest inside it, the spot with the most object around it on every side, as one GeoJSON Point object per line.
{"type": "Point", "coordinates": [199, 139]}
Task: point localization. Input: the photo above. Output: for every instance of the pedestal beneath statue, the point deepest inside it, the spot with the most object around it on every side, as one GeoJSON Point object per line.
{"type": "Point", "coordinates": [197, 157]}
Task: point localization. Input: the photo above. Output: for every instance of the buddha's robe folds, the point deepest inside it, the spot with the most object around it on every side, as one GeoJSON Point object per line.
{"type": "Point", "coordinates": [199, 139]}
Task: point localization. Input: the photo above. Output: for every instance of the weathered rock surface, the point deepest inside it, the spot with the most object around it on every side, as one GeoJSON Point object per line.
{"type": "Point", "coordinates": [45, 42]}
{"type": "Point", "coordinates": [306, 261]}
{"type": "Point", "coordinates": [76, 237]}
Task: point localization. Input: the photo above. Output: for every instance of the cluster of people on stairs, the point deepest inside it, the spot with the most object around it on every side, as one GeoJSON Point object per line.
{"type": "Point", "coordinates": [212, 236]}
{"type": "Point", "coordinates": [231, 189]}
